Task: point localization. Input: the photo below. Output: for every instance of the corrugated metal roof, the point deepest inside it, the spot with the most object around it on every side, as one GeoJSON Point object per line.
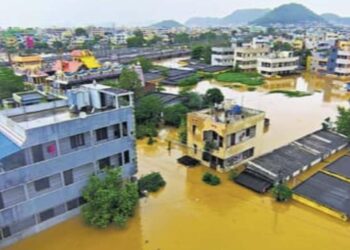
{"type": "Point", "coordinates": [7, 147]}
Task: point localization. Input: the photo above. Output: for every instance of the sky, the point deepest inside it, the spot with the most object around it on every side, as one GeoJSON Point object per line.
{"type": "Point", "coordinates": [49, 13]}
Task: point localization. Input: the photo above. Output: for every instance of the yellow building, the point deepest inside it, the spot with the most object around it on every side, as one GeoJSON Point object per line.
{"type": "Point", "coordinates": [343, 45]}
{"type": "Point", "coordinates": [298, 44]}
{"type": "Point", "coordinates": [86, 57]}
{"type": "Point", "coordinates": [226, 136]}
{"type": "Point", "coordinates": [27, 63]}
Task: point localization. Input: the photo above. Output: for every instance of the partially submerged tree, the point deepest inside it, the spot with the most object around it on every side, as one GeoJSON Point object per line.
{"type": "Point", "coordinates": [174, 114]}
{"type": "Point", "coordinates": [151, 182]}
{"type": "Point", "coordinates": [343, 121]}
{"type": "Point", "coordinates": [109, 200]}
{"type": "Point", "coordinates": [282, 193]}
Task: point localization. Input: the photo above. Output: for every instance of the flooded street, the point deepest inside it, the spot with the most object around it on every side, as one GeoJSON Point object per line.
{"type": "Point", "coordinates": [187, 214]}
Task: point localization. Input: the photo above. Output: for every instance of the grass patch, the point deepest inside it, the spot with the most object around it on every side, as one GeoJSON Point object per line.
{"type": "Point", "coordinates": [248, 78]}
{"type": "Point", "coordinates": [291, 93]}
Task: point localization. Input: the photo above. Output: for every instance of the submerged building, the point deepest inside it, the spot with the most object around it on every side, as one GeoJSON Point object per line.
{"type": "Point", "coordinates": [49, 150]}
{"type": "Point", "coordinates": [225, 136]}
{"type": "Point", "coordinates": [278, 64]}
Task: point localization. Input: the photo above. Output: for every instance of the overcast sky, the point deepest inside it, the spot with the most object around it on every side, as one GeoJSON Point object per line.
{"type": "Point", "coordinates": [27, 13]}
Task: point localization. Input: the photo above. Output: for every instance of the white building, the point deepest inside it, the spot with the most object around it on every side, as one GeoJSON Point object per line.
{"type": "Point", "coordinates": [246, 55]}
{"type": "Point", "coordinates": [222, 56]}
{"type": "Point", "coordinates": [281, 63]}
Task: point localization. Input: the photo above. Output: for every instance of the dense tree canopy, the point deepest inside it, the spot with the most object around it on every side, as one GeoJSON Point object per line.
{"type": "Point", "coordinates": [80, 32]}
{"type": "Point", "coordinates": [109, 200]}
{"type": "Point", "coordinates": [130, 80]}
{"type": "Point", "coordinates": [174, 114]}
{"type": "Point", "coordinates": [145, 63]}
{"type": "Point", "coordinates": [213, 96]}
{"type": "Point", "coordinates": [148, 110]}
{"type": "Point", "coordinates": [343, 121]}
{"type": "Point", "coordinates": [9, 83]}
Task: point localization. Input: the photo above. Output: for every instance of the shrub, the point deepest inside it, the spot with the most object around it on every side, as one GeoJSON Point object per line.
{"type": "Point", "coordinates": [211, 179]}
{"type": "Point", "coordinates": [282, 193]}
{"type": "Point", "coordinates": [145, 130]}
{"type": "Point", "coordinates": [151, 182]}
{"type": "Point", "coordinates": [233, 175]}
{"type": "Point", "coordinates": [190, 81]}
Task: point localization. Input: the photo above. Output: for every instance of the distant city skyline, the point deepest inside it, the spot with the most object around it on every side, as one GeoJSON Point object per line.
{"type": "Point", "coordinates": [49, 13]}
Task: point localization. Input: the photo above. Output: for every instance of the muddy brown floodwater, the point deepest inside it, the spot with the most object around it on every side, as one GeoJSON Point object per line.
{"type": "Point", "coordinates": [188, 214]}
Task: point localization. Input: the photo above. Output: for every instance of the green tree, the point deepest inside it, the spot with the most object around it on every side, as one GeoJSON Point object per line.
{"type": "Point", "coordinates": [145, 63]}
{"type": "Point", "coordinates": [80, 32]}
{"type": "Point", "coordinates": [343, 121]}
{"type": "Point", "coordinates": [211, 179]}
{"type": "Point", "coordinates": [213, 96]}
{"type": "Point", "coordinates": [206, 54]}
{"type": "Point", "coordinates": [137, 40]}
{"type": "Point", "coordinates": [197, 52]}
{"type": "Point", "coordinates": [148, 110]}
{"type": "Point", "coordinates": [282, 46]}
{"type": "Point", "coordinates": [282, 193]}
{"type": "Point", "coordinates": [193, 101]}
{"type": "Point", "coordinates": [151, 182]}
{"type": "Point", "coordinates": [182, 38]}
{"type": "Point", "coordinates": [58, 45]}
{"type": "Point", "coordinates": [9, 83]}
{"type": "Point", "coordinates": [109, 200]}
{"type": "Point", "coordinates": [174, 114]}
{"type": "Point", "coordinates": [130, 80]}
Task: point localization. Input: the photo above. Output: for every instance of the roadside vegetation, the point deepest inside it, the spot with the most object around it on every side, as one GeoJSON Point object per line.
{"type": "Point", "coordinates": [291, 93]}
{"type": "Point", "coordinates": [246, 78]}
{"type": "Point", "coordinates": [211, 179]}
{"type": "Point", "coordinates": [190, 81]}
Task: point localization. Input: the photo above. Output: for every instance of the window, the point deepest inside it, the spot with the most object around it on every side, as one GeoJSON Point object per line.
{"type": "Point", "coordinates": [101, 134]}
{"type": "Point", "coordinates": [2, 205]}
{"type": "Point", "coordinates": [6, 232]}
{"type": "Point", "coordinates": [68, 177]}
{"type": "Point", "coordinates": [72, 204]}
{"type": "Point", "coordinates": [126, 157]}
{"type": "Point", "coordinates": [42, 184]}
{"type": "Point", "coordinates": [77, 141]}
{"type": "Point", "coordinates": [105, 162]}
{"type": "Point", "coordinates": [120, 159]}
{"type": "Point", "coordinates": [38, 154]}
{"type": "Point", "coordinates": [125, 128]}
{"type": "Point", "coordinates": [47, 214]}
{"type": "Point", "coordinates": [194, 128]}
{"type": "Point", "coordinates": [117, 133]}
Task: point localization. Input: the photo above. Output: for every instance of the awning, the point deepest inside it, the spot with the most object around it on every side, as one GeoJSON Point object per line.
{"type": "Point", "coordinates": [7, 147]}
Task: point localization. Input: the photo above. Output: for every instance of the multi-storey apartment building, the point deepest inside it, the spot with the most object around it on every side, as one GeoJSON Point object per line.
{"type": "Point", "coordinates": [49, 150]}
{"type": "Point", "coordinates": [246, 55]}
{"type": "Point", "coordinates": [222, 56]}
{"type": "Point", "coordinates": [225, 136]}
{"type": "Point", "coordinates": [280, 63]}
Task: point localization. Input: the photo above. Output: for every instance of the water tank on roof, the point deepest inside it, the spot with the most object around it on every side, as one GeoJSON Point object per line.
{"type": "Point", "coordinates": [236, 110]}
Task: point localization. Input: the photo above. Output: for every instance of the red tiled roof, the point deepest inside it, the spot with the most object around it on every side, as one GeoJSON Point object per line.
{"type": "Point", "coordinates": [67, 66]}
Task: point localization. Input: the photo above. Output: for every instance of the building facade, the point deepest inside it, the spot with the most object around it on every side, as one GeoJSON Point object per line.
{"type": "Point", "coordinates": [222, 56]}
{"type": "Point", "coordinates": [246, 56]}
{"type": "Point", "coordinates": [281, 63]}
{"type": "Point", "coordinates": [226, 136]}
{"type": "Point", "coordinates": [49, 150]}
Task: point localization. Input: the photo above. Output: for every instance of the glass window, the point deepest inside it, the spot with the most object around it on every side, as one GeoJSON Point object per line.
{"type": "Point", "coordinates": [1, 202]}
{"type": "Point", "coordinates": [42, 184]}
{"type": "Point", "coordinates": [117, 133]}
{"type": "Point", "coordinates": [68, 177]}
{"type": "Point", "coordinates": [46, 215]}
{"type": "Point", "coordinates": [104, 163]}
{"type": "Point", "coordinates": [77, 141]}
{"type": "Point", "coordinates": [101, 134]}
{"type": "Point", "coordinates": [126, 157]}
{"type": "Point", "coordinates": [125, 128]}
{"type": "Point", "coordinates": [38, 154]}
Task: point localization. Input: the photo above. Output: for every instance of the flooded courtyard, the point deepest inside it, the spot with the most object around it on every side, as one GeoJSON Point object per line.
{"type": "Point", "coordinates": [187, 214]}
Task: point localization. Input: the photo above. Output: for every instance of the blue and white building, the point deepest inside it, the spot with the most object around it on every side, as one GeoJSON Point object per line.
{"type": "Point", "coordinates": [49, 150]}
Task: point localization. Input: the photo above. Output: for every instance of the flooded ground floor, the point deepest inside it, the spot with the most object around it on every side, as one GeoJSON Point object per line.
{"type": "Point", "coordinates": [187, 214]}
